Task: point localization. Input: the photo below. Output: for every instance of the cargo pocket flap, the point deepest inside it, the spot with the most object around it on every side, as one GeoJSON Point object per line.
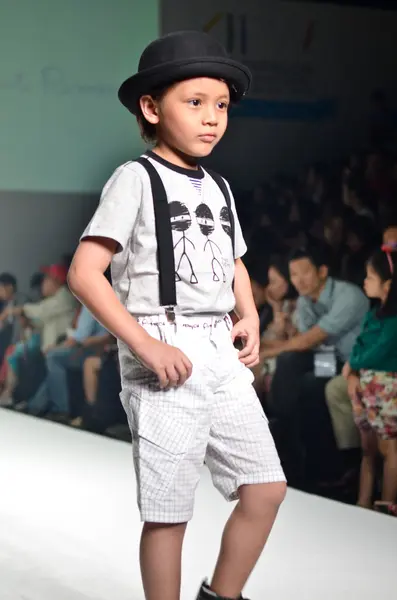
{"type": "Point", "coordinates": [160, 429]}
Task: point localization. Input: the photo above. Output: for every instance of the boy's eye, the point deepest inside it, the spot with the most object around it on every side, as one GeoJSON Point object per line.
{"type": "Point", "coordinates": [195, 102]}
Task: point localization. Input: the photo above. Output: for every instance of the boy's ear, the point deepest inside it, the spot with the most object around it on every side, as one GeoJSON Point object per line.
{"type": "Point", "coordinates": [149, 109]}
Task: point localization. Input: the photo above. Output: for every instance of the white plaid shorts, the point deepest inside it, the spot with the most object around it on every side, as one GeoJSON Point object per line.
{"type": "Point", "coordinates": [215, 417]}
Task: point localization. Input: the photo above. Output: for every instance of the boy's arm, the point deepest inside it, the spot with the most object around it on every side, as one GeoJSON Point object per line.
{"type": "Point", "coordinates": [87, 281]}
{"type": "Point", "coordinates": [245, 305]}
{"type": "Point", "coordinates": [247, 328]}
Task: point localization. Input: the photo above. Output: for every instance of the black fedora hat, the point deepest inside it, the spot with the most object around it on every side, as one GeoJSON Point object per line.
{"type": "Point", "coordinates": [179, 56]}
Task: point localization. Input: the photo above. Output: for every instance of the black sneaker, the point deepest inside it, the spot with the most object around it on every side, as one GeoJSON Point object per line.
{"type": "Point", "coordinates": [206, 593]}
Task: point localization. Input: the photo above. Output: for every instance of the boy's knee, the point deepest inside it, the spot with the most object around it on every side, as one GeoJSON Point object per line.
{"type": "Point", "coordinates": [257, 500]}
{"type": "Point", "coordinates": [173, 528]}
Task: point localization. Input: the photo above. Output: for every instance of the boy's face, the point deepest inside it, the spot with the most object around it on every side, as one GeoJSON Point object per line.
{"type": "Point", "coordinates": [192, 115]}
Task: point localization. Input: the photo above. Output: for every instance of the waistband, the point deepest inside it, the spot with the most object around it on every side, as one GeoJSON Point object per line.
{"type": "Point", "coordinates": [187, 322]}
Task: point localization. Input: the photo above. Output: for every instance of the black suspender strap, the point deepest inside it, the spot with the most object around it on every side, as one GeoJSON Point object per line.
{"type": "Point", "coordinates": [165, 245]}
{"type": "Point", "coordinates": [224, 189]}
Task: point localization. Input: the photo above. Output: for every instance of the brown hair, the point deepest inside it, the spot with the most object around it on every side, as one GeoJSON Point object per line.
{"type": "Point", "coordinates": [148, 130]}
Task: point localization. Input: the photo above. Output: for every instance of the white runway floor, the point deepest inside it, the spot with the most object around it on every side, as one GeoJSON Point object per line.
{"type": "Point", "coordinates": [69, 529]}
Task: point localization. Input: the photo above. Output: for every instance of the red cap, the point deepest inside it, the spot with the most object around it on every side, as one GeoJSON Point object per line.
{"type": "Point", "coordinates": [58, 272]}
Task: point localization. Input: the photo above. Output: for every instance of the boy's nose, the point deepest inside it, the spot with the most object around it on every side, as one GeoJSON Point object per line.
{"type": "Point", "coordinates": [210, 117]}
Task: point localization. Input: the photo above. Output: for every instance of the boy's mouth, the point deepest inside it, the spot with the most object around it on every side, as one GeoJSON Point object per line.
{"type": "Point", "coordinates": [207, 137]}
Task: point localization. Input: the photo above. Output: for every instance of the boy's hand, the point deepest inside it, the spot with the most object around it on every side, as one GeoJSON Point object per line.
{"type": "Point", "coordinates": [248, 331]}
{"type": "Point", "coordinates": [170, 364]}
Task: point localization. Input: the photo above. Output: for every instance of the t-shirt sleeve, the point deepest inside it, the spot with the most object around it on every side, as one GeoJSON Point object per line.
{"type": "Point", "coordinates": [240, 247]}
{"type": "Point", "coordinates": [118, 208]}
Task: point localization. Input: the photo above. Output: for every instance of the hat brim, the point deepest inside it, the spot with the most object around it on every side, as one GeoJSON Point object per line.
{"type": "Point", "coordinates": [235, 74]}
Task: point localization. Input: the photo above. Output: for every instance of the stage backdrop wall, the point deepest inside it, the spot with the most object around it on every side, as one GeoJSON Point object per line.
{"type": "Point", "coordinates": [314, 67]}
{"type": "Point", "coordinates": [62, 129]}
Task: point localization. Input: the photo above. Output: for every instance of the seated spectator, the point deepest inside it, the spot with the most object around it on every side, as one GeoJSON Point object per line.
{"type": "Point", "coordinates": [52, 396]}
{"type": "Point", "coordinates": [36, 285]}
{"type": "Point", "coordinates": [28, 344]}
{"type": "Point", "coordinates": [280, 324]}
{"type": "Point", "coordinates": [372, 382]}
{"type": "Point", "coordinates": [50, 317]}
{"type": "Point", "coordinates": [102, 386]}
{"type": "Point", "coordinates": [360, 241]}
{"type": "Point", "coordinates": [9, 323]}
{"type": "Point", "coordinates": [328, 312]}
{"type": "Point", "coordinates": [346, 434]}
{"type": "Point", "coordinates": [53, 314]}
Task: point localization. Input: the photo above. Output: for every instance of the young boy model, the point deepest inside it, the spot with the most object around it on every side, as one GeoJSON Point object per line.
{"type": "Point", "coordinates": [186, 390]}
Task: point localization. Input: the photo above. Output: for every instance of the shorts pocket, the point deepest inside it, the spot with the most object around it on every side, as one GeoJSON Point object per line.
{"type": "Point", "coordinates": [160, 442]}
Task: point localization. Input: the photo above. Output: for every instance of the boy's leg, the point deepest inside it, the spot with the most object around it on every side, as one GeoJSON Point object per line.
{"type": "Point", "coordinates": [244, 465]}
{"type": "Point", "coordinates": [245, 536]}
{"type": "Point", "coordinates": [170, 434]}
{"type": "Point", "coordinates": [161, 559]}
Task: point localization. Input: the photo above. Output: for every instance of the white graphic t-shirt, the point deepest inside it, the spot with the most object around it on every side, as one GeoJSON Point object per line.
{"type": "Point", "coordinates": [204, 262]}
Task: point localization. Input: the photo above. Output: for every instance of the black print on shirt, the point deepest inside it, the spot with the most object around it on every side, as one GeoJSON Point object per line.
{"type": "Point", "coordinates": [181, 221]}
{"type": "Point", "coordinates": [225, 221]}
{"type": "Point", "coordinates": [205, 220]}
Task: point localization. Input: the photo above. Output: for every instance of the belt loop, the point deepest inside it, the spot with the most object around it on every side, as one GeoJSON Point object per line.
{"type": "Point", "coordinates": [170, 314]}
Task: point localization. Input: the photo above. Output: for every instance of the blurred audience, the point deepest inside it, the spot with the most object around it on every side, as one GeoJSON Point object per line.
{"type": "Point", "coordinates": [310, 238]}
{"type": "Point", "coordinates": [52, 399]}
{"type": "Point", "coordinates": [10, 299]}
{"type": "Point", "coordinates": [45, 325]}
{"type": "Point", "coordinates": [277, 316]}
{"type": "Point", "coordinates": [329, 316]}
